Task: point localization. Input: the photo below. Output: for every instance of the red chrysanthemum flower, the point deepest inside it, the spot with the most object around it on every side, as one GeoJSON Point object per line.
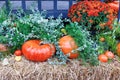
{"type": "Point", "coordinates": [92, 13]}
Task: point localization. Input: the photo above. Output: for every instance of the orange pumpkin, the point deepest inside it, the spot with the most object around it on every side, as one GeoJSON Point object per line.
{"type": "Point", "coordinates": [18, 52]}
{"type": "Point", "coordinates": [103, 58]}
{"type": "Point", "coordinates": [67, 44]}
{"type": "Point", "coordinates": [35, 51]}
{"type": "Point", "coordinates": [118, 49]}
{"type": "Point", "coordinates": [109, 54]}
{"type": "Point", "coordinates": [102, 39]}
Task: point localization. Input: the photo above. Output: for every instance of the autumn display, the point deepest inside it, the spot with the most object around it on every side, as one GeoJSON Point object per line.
{"type": "Point", "coordinates": [84, 46]}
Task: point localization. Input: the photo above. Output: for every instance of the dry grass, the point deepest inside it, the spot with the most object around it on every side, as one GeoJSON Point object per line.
{"type": "Point", "coordinates": [27, 70]}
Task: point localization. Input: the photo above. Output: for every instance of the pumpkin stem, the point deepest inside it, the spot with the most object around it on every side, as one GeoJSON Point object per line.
{"type": "Point", "coordinates": [43, 42]}
{"type": "Point", "coordinates": [64, 31]}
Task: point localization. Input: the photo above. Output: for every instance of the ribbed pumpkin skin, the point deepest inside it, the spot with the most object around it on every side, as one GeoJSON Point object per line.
{"type": "Point", "coordinates": [118, 49]}
{"type": "Point", "coordinates": [34, 51]}
{"type": "Point", "coordinates": [67, 44]}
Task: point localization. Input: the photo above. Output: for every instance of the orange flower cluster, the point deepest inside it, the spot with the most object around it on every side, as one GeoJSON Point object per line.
{"type": "Point", "coordinates": [98, 0]}
{"type": "Point", "coordinates": [92, 13]}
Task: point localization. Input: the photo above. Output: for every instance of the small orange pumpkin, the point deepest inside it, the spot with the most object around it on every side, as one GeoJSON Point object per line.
{"type": "Point", "coordinates": [118, 49]}
{"type": "Point", "coordinates": [35, 51]}
{"type": "Point", "coordinates": [103, 58]}
{"type": "Point", "coordinates": [67, 44]}
{"type": "Point", "coordinates": [109, 54]}
{"type": "Point", "coordinates": [18, 52]}
{"type": "Point", "coordinates": [102, 39]}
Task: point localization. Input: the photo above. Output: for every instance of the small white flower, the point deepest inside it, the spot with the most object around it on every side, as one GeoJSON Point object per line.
{"type": "Point", "coordinates": [42, 20]}
{"type": "Point", "coordinates": [6, 22]}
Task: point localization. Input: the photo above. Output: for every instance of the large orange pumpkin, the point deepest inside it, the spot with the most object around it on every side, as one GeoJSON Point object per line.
{"type": "Point", "coordinates": [35, 51]}
{"type": "Point", "coordinates": [67, 44]}
{"type": "Point", "coordinates": [118, 49]}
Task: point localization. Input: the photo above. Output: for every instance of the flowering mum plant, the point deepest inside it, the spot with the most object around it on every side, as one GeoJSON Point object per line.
{"type": "Point", "coordinates": [95, 15]}
{"type": "Point", "coordinates": [98, 0]}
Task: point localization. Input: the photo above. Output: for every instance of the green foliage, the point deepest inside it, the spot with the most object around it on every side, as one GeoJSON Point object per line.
{"type": "Point", "coordinates": [86, 46]}
{"type": "Point", "coordinates": [17, 29]}
{"type": "Point", "coordinates": [116, 28]}
{"type": "Point", "coordinates": [111, 38]}
{"type": "Point", "coordinates": [3, 14]}
{"type": "Point", "coordinates": [109, 43]}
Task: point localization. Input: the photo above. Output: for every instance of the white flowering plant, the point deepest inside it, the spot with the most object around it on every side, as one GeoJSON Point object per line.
{"type": "Point", "coordinates": [17, 29]}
